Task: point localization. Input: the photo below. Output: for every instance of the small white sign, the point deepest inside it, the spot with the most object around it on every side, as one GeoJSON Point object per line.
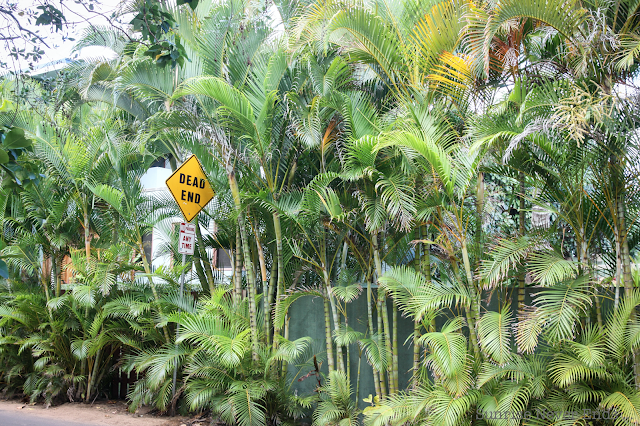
{"type": "Point", "coordinates": [186, 239]}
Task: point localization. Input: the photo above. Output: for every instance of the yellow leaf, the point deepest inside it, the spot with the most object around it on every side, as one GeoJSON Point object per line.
{"type": "Point", "coordinates": [7, 105]}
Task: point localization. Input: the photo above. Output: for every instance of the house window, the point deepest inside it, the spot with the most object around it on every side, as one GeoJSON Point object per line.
{"type": "Point", "coordinates": [162, 162]}
{"type": "Point", "coordinates": [221, 258]}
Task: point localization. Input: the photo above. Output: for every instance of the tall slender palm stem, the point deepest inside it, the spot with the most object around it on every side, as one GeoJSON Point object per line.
{"type": "Point", "coordinates": [237, 270]}
{"type": "Point", "coordinates": [251, 278]}
{"type": "Point", "coordinates": [280, 267]}
{"type": "Point", "coordinates": [383, 312]}
{"type": "Point", "coordinates": [204, 258]}
{"type": "Point", "coordinates": [472, 312]}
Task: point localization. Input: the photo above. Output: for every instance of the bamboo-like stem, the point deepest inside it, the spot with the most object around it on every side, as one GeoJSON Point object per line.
{"type": "Point", "coordinates": [283, 371]}
{"type": "Point", "coordinates": [598, 311]}
{"type": "Point", "coordinates": [343, 257]}
{"type": "Point", "coordinates": [381, 341]}
{"type": "Point", "coordinates": [45, 286]}
{"type": "Point", "coordinates": [472, 312]}
{"type": "Point", "coordinates": [387, 343]}
{"type": "Point", "coordinates": [383, 311]}
{"type": "Point", "coordinates": [251, 277]}
{"type": "Point", "coordinates": [522, 231]}
{"type": "Point", "coordinates": [325, 267]}
{"type": "Point", "coordinates": [343, 268]}
{"type": "Point", "coordinates": [336, 318]}
{"type": "Point", "coordinates": [329, 340]}
{"type": "Point", "coordinates": [376, 378]}
{"type": "Point", "coordinates": [87, 235]}
{"type": "Point", "coordinates": [237, 271]}
{"type": "Point", "coordinates": [93, 375]}
{"type": "Point", "coordinates": [358, 376]}
{"type": "Point", "coordinates": [416, 322]}
{"type": "Point", "coordinates": [56, 274]}
{"type": "Point", "coordinates": [280, 269]}
{"type": "Point", "coordinates": [584, 258]}
{"type": "Point", "coordinates": [479, 212]}
{"type": "Point", "coordinates": [396, 383]}
{"type": "Point", "coordinates": [265, 283]}
{"type": "Point", "coordinates": [204, 258]}
{"type": "Point", "coordinates": [618, 277]}
{"type": "Point", "coordinates": [267, 301]}
{"type": "Point", "coordinates": [627, 277]}
{"type": "Point", "coordinates": [348, 353]}
{"type": "Point", "coordinates": [202, 277]}
{"type": "Point", "coordinates": [426, 267]}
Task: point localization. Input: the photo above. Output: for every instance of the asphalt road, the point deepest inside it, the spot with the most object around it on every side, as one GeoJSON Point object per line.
{"type": "Point", "coordinates": [8, 418]}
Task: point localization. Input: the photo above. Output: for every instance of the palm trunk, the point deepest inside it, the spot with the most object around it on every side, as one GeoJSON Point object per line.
{"type": "Point", "coordinates": [627, 277]}
{"type": "Point", "coordinates": [416, 352]}
{"type": "Point", "coordinates": [383, 311]}
{"type": "Point", "coordinates": [618, 277]}
{"type": "Point", "coordinates": [426, 268]}
{"type": "Point", "coordinates": [343, 268]}
{"type": "Point", "coordinates": [387, 343]}
{"type": "Point", "coordinates": [381, 341]}
{"type": "Point", "coordinates": [254, 256]}
{"type": "Point", "coordinates": [472, 312]}
{"type": "Point", "coordinates": [599, 312]}
{"type": "Point", "coordinates": [199, 269]}
{"type": "Point", "coordinates": [94, 374]}
{"type": "Point", "coordinates": [280, 267]}
{"type": "Point", "coordinates": [358, 376]}
{"type": "Point", "coordinates": [87, 236]}
{"type": "Point", "coordinates": [416, 322]}
{"type": "Point", "coordinates": [284, 369]}
{"type": "Point", "coordinates": [479, 212]}
{"type": "Point", "coordinates": [329, 340]}
{"type": "Point", "coordinates": [376, 378]}
{"type": "Point", "coordinates": [265, 284]}
{"type": "Point", "coordinates": [204, 258]}
{"type": "Point", "coordinates": [521, 272]}
{"type": "Point", "coordinates": [268, 298]}
{"type": "Point", "coordinates": [348, 356]}
{"type": "Point", "coordinates": [396, 384]}
{"type": "Point", "coordinates": [586, 269]}
{"type": "Point", "coordinates": [56, 273]}
{"type": "Point", "coordinates": [45, 286]}
{"type": "Point", "coordinates": [237, 272]}
{"type": "Point", "coordinates": [251, 277]}
{"type": "Point", "coordinates": [336, 318]}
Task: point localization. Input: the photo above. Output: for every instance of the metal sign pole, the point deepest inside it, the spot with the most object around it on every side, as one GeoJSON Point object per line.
{"type": "Point", "coordinates": [175, 366]}
{"type": "Point", "coordinates": [192, 191]}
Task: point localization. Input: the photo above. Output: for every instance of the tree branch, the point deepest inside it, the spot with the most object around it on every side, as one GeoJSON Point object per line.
{"type": "Point", "coordinates": [9, 13]}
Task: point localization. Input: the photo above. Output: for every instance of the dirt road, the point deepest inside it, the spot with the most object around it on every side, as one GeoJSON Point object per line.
{"type": "Point", "coordinates": [13, 413]}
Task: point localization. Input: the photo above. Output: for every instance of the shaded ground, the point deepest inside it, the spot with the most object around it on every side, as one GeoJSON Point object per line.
{"type": "Point", "coordinates": [17, 413]}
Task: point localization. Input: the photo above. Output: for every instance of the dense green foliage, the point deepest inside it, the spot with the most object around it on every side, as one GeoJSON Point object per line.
{"type": "Point", "coordinates": [427, 156]}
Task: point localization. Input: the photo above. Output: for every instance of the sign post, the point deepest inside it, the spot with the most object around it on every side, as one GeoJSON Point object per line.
{"type": "Point", "coordinates": [192, 191]}
{"type": "Point", "coordinates": [186, 243]}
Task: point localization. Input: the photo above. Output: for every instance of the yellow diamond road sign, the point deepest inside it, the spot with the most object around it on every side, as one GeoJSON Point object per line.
{"type": "Point", "coordinates": [190, 187]}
